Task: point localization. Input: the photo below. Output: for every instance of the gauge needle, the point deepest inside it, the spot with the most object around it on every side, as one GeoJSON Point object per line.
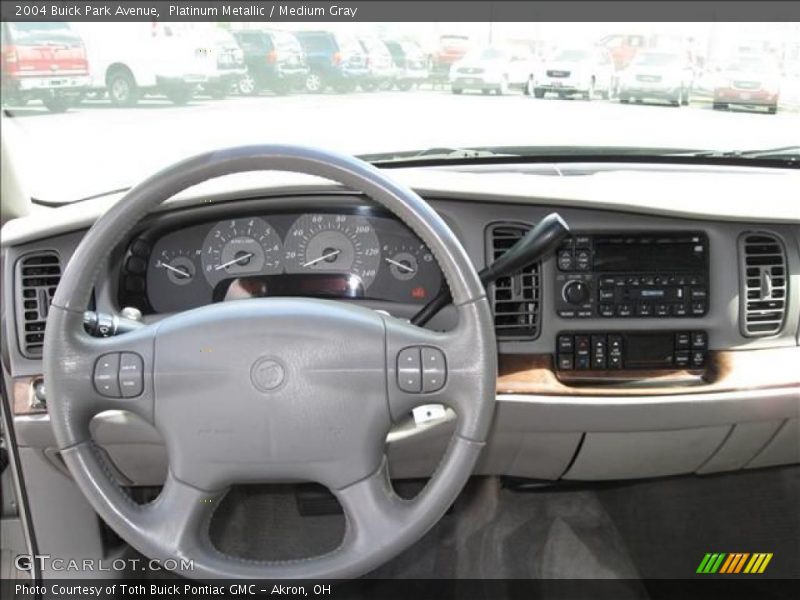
{"type": "Point", "coordinates": [399, 265]}
{"type": "Point", "coordinates": [323, 257]}
{"type": "Point", "coordinates": [180, 272]}
{"type": "Point", "coordinates": [234, 261]}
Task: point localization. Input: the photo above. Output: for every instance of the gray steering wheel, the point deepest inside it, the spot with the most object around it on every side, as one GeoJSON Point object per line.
{"type": "Point", "coordinates": [274, 389]}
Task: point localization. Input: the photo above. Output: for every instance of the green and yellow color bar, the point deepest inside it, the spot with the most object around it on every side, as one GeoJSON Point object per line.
{"type": "Point", "coordinates": [734, 563]}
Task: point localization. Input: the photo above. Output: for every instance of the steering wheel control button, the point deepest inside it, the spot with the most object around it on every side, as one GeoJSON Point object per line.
{"type": "Point", "coordinates": [106, 375]}
{"type": "Point", "coordinates": [434, 370]}
{"type": "Point", "coordinates": [131, 374]}
{"type": "Point", "coordinates": [267, 374]}
{"type": "Point", "coordinates": [409, 370]}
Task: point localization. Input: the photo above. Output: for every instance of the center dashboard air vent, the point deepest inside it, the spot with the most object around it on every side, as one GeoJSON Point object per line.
{"type": "Point", "coordinates": [764, 284]}
{"type": "Point", "coordinates": [36, 280]}
{"type": "Point", "coordinates": [516, 299]}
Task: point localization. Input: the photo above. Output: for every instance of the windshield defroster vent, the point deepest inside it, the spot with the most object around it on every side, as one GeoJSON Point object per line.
{"type": "Point", "coordinates": [764, 284]}
{"type": "Point", "coordinates": [37, 278]}
{"type": "Point", "coordinates": [516, 300]}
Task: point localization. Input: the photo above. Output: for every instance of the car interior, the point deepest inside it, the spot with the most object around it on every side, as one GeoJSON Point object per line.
{"type": "Point", "coordinates": [283, 361]}
{"type": "Point", "coordinates": [597, 412]}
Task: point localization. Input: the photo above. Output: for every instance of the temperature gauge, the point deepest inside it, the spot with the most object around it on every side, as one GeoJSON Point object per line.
{"type": "Point", "coordinates": [404, 259]}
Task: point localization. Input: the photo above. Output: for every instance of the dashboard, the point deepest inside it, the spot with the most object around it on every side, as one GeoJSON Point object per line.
{"type": "Point", "coordinates": [661, 338]}
{"type": "Point", "coordinates": [335, 254]}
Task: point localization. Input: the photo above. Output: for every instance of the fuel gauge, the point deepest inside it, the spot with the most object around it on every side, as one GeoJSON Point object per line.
{"type": "Point", "coordinates": [177, 265]}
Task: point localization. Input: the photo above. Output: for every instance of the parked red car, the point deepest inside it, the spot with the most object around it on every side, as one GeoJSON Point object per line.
{"type": "Point", "coordinates": [748, 81]}
{"type": "Point", "coordinates": [43, 61]}
{"type": "Point", "coordinates": [451, 49]}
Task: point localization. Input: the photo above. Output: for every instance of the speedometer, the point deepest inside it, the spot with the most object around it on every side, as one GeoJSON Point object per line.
{"type": "Point", "coordinates": [340, 244]}
{"type": "Point", "coordinates": [240, 248]}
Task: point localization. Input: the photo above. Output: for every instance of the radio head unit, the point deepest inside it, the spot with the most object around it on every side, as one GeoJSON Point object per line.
{"type": "Point", "coordinates": [659, 274]}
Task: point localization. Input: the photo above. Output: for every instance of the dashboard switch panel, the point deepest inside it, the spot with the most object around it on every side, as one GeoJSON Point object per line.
{"type": "Point", "coordinates": [608, 351]}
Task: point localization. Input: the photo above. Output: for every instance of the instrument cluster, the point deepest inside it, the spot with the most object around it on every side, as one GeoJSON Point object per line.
{"type": "Point", "coordinates": [324, 255]}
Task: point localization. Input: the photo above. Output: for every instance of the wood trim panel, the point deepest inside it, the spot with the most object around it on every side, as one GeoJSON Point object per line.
{"type": "Point", "coordinates": [23, 401]}
{"type": "Point", "coordinates": [727, 371]}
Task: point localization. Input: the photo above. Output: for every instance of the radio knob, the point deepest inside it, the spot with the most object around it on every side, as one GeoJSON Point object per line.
{"type": "Point", "coordinates": [576, 292]}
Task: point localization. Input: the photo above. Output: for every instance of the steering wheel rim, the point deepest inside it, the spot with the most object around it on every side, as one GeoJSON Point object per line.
{"type": "Point", "coordinates": [352, 375]}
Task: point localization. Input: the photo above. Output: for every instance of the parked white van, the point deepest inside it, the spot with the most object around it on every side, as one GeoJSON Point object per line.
{"type": "Point", "coordinates": [131, 60]}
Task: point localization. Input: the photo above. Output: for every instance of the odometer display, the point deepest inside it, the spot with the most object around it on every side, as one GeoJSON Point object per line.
{"type": "Point", "coordinates": [326, 243]}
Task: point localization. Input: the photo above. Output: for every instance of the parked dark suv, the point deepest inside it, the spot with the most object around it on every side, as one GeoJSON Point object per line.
{"type": "Point", "coordinates": [275, 61]}
{"type": "Point", "coordinates": [336, 61]}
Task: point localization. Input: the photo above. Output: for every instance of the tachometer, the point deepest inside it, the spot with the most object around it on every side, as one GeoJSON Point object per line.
{"type": "Point", "coordinates": [239, 248]}
{"type": "Point", "coordinates": [322, 243]}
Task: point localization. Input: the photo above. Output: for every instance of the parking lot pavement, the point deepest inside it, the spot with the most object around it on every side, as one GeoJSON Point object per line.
{"type": "Point", "coordinates": [123, 144]}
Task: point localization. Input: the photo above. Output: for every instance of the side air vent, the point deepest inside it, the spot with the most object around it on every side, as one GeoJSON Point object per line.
{"type": "Point", "coordinates": [764, 284]}
{"type": "Point", "coordinates": [516, 300]}
{"type": "Point", "coordinates": [37, 278]}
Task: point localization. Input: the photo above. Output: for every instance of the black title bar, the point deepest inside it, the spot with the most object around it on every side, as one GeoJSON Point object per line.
{"type": "Point", "coordinates": [405, 10]}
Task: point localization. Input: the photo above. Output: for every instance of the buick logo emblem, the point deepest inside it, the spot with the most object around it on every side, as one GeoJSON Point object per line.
{"type": "Point", "coordinates": [267, 374]}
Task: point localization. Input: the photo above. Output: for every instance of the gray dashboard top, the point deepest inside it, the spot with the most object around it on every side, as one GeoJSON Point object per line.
{"type": "Point", "coordinates": [723, 194]}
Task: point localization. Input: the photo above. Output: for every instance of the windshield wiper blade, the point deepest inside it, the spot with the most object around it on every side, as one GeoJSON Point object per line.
{"type": "Point", "coordinates": [523, 153]}
{"type": "Point", "coordinates": [436, 153]}
{"type": "Point", "coordinates": [790, 154]}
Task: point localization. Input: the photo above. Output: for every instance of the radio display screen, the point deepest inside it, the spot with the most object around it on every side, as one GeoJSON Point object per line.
{"type": "Point", "coordinates": [617, 254]}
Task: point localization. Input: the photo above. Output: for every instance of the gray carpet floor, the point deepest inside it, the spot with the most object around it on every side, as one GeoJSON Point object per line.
{"type": "Point", "coordinates": [630, 530]}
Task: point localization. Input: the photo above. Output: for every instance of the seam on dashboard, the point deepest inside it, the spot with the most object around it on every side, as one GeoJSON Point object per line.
{"type": "Point", "coordinates": [719, 447]}
{"type": "Point", "coordinates": [766, 444]}
{"type": "Point", "coordinates": [574, 456]}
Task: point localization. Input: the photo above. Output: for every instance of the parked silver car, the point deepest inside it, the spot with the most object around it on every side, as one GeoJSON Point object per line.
{"type": "Point", "coordinates": [493, 69]}
{"type": "Point", "coordinates": [586, 72]}
{"type": "Point", "coordinates": [657, 75]}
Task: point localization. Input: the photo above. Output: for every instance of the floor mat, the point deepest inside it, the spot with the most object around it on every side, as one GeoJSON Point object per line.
{"type": "Point", "coordinates": [669, 524]}
{"type": "Point", "coordinates": [624, 532]}
{"type": "Point", "coordinates": [496, 533]}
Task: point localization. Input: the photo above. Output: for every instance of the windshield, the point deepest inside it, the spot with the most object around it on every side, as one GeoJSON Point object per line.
{"type": "Point", "coordinates": [140, 96]}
